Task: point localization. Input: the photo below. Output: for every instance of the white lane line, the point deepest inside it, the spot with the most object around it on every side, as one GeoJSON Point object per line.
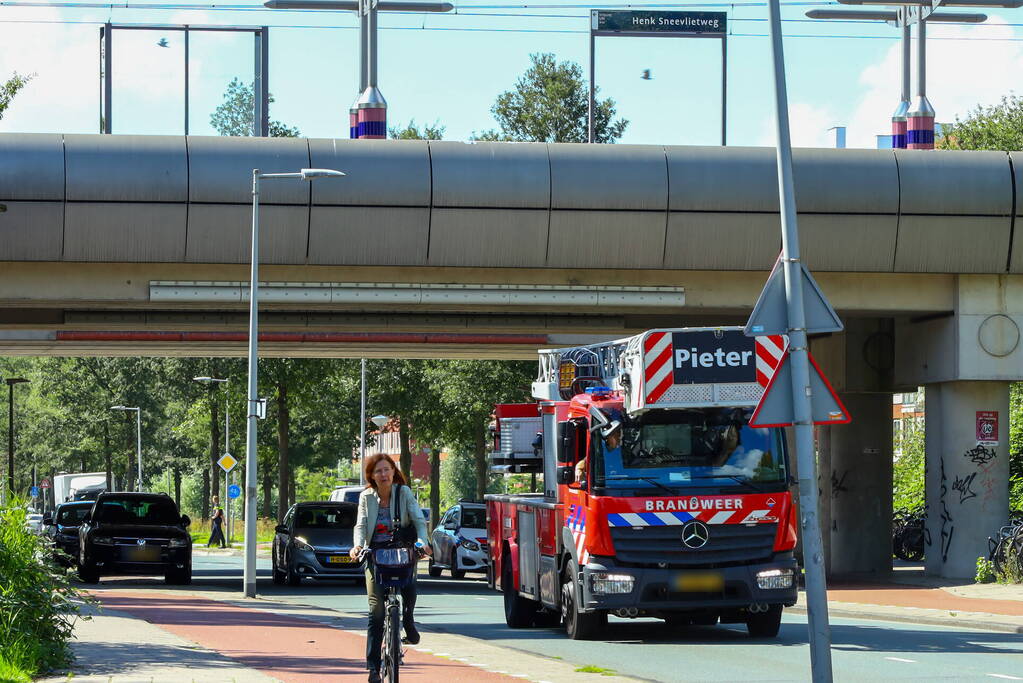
{"type": "Point", "coordinates": [900, 659]}
{"type": "Point", "coordinates": [1011, 678]}
{"type": "Point", "coordinates": [484, 599]}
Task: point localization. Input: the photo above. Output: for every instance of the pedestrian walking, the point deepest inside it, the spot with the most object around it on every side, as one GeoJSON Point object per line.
{"type": "Point", "coordinates": [217, 534]}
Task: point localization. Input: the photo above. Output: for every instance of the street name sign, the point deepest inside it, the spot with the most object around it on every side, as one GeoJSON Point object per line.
{"type": "Point", "coordinates": [227, 462]}
{"type": "Point", "coordinates": [633, 21]}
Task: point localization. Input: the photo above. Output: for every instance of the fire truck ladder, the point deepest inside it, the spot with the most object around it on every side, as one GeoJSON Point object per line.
{"type": "Point", "coordinates": [599, 362]}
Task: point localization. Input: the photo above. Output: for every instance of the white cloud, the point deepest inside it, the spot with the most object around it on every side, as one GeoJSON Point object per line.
{"type": "Point", "coordinates": [808, 126]}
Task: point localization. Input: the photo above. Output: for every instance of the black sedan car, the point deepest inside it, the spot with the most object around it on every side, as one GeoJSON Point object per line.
{"type": "Point", "coordinates": [313, 541]}
{"type": "Point", "coordinates": [135, 533]}
{"type": "Point", "coordinates": [62, 529]}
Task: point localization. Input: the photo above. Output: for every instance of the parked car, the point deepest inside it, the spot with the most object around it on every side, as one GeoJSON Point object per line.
{"type": "Point", "coordinates": [347, 494]}
{"type": "Point", "coordinates": [34, 522]}
{"type": "Point", "coordinates": [460, 541]}
{"type": "Point", "coordinates": [135, 533]}
{"type": "Point", "coordinates": [62, 529]}
{"type": "Point", "coordinates": [313, 541]}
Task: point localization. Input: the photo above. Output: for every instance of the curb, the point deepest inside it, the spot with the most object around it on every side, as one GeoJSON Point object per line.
{"type": "Point", "coordinates": [917, 619]}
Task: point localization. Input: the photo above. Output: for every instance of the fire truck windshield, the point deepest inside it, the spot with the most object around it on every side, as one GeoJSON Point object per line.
{"type": "Point", "coordinates": [683, 448]}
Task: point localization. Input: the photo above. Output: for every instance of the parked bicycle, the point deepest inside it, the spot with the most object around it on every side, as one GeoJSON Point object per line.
{"type": "Point", "coordinates": [392, 568]}
{"type": "Point", "coordinates": [908, 535]}
{"type": "Point", "coordinates": [1006, 547]}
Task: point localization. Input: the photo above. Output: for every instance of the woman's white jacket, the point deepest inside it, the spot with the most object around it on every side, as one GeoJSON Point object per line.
{"type": "Point", "coordinates": [369, 506]}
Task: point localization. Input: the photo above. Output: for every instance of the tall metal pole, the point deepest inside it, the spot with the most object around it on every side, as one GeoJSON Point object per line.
{"type": "Point", "coordinates": [10, 438]}
{"type": "Point", "coordinates": [249, 574]}
{"type": "Point", "coordinates": [186, 79]}
{"type": "Point", "coordinates": [724, 90]}
{"type": "Point", "coordinates": [108, 88]}
{"type": "Point", "coordinates": [591, 108]}
{"type": "Point", "coordinates": [138, 444]}
{"type": "Point", "coordinates": [227, 449]}
{"type": "Point", "coordinates": [920, 117]}
{"type": "Point", "coordinates": [362, 429]}
{"type": "Point", "coordinates": [813, 554]}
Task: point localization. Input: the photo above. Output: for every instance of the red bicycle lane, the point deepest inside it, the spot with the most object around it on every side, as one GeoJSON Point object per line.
{"type": "Point", "coordinates": [288, 648]}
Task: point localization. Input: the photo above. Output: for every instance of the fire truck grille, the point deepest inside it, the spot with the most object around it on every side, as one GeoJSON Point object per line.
{"type": "Point", "coordinates": [729, 544]}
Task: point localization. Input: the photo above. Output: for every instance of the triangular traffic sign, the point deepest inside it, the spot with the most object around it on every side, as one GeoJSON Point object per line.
{"type": "Point", "coordinates": [771, 314]}
{"type": "Point", "coordinates": [227, 462]}
{"type": "Point", "coordinates": [775, 407]}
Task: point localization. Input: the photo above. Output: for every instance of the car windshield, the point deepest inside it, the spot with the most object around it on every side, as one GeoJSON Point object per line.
{"type": "Point", "coordinates": [473, 518]}
{"type": "Point", "coordinates": [689, 448]}
{"type": "Point", "coordinates": [72, 516]}
{"type": "Point", "coordinates": [139, 511]}
{"type": "Point", "coordinates": [333, 517]}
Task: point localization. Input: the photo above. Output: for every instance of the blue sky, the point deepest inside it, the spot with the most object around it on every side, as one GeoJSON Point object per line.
{"type": "Point", "coordinates": [450, 68]}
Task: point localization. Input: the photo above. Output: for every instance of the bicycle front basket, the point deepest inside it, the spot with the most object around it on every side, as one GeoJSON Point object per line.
{"type": "Point", "coordinates": [393, 567]}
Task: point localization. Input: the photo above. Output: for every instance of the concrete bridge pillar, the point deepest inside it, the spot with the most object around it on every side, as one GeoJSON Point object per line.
{"type": "Point", "coordinates": [857, 487]}
{"type": "Point", "coordinates": [967, 433]}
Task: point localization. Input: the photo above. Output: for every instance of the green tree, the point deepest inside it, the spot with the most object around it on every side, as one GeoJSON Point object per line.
{"type": "Point", "coordinates": [234, 116]}
{"type": "Point", "coordinates": [995, 127]}
{"type": "Point", "coordinates": [10, 88]}
{"type": "Point", "coordinates": [549, 104]}
{"type": "Point", "coordinates": [908, 475]}
{"type": "Point", "coordinates": [411, 131]}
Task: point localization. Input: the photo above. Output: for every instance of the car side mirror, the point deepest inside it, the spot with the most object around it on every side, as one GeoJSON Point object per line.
{"type": "Point", "coordinates": [281, 529]}
{"type": "Point", "coordinates": [566, 475]}
{"type": "Point", "coordinates": [185, 521]}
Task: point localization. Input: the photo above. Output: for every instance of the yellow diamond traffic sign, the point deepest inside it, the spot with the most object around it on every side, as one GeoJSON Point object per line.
{"type": "Point", "coordinates": [227, 462]}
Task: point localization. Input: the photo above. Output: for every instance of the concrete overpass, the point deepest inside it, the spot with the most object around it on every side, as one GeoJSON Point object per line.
{"type": "Point", "coordinates": [138, 245]}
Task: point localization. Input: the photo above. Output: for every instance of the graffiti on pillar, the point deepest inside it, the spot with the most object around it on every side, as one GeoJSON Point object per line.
{"type": "Point", "coordinates": [962, 485]}
{"type": "Point", "coordinates": [980, 454]}
{"type": "Point", "coordinates": [838, 485]}
{"type": "Point", "coordinates": [988, 484]}
{"type": "Point", "coordinates": [947, 527]}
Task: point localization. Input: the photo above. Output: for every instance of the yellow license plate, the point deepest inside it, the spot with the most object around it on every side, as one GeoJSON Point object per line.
{"type": "Point", "coordinates": [700, 583]}
{"type": "Point", "coordinates": [338, 559]}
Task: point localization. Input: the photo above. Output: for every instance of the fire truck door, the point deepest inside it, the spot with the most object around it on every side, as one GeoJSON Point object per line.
{"type": "Point", "coordinates": [529, 551]}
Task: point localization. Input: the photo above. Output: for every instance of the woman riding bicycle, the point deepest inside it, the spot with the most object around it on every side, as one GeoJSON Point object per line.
{"type": "Point", "coordinates": [386, 500]}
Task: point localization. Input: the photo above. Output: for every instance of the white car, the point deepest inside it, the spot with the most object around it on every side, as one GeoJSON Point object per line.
{"type": "Point", "coordinates": [346, 494]}
{"type": "Point", "coordinates": [34, 522]}
{"type": "Point", "coordinates": [460, 541]}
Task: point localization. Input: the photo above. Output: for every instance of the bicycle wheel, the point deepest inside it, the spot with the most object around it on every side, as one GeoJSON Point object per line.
{"type": "Point", "coordinates": [392, 643]}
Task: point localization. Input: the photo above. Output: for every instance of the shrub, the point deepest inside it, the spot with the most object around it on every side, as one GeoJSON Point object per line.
{"type": "Point", "coordinates": [38, 603]}
{"type": "Point", "coordinates": [985, 570]}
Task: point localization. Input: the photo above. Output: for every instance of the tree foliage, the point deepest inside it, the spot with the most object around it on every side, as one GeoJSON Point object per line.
{"type": "Point", "coordinates": [994, 127]}
{"type": "Point", "coordinates": [11, 87]}
{"type": "Point", "coordinates": [411, 131]}
{"type": "Point", "coordinates": [235, 115]}
{"type": "Point", "coordinates": [549, 104]}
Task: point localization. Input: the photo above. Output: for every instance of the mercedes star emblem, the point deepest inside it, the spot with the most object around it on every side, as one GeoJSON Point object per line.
{"type": "Point", "coordinates": [695, 535]}
{"type": "Point", "coordinates": [141, 541]}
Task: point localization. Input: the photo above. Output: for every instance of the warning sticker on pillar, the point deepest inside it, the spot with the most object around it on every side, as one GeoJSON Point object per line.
{"type": "Point", "coordinates": [987, 427]}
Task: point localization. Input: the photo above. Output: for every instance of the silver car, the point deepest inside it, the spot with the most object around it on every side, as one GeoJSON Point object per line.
{"type": "Point", "coordinates": [313, 541]}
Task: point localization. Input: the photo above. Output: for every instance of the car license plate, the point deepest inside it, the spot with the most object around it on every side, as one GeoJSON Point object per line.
{"type": "Point", "coordinates": [141, 554]}
{"type": "Point", "coordinates": [700, 583]}
{"type": "Point", "coordinates": [339, 559]}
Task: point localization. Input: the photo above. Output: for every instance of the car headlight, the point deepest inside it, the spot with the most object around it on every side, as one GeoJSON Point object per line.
{"type": "Point", "coordinates": [774, 578]}
{"type": "Point", "coordinates": [302, 544]}
{"type": "Point", "coordinates": [178, 543]}
{"type": "Point", "coordinates": [102, 540]}
{"type": "Point", "coordinates": [611, 584]}
{"type": "Point", "coordinates": [470, 545]}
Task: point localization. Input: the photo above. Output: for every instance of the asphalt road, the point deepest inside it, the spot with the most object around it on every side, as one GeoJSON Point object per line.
{"type": "Point", "coordinates": [863, 650]}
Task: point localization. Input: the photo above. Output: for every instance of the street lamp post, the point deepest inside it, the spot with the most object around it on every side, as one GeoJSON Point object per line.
{"type": "Point", "coordinates": [227, 442]}
{"type": "Point", "coordinates": [11, 381]}
{"type": "Point", "coordinates": [253, 404]}
{"type": "Point", "coordinates": [138, 440]}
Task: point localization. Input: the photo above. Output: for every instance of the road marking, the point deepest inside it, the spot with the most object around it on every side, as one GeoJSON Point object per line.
{"type": "Point", "coordinates": [900, 659]}
{"type": "Point", "coordinates": [484, 599]}
{"type": "Point", "coordinates": [1011, 678]}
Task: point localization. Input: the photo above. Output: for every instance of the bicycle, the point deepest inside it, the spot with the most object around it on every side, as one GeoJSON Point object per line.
{"type": "Point", "coordinates": [392, 568]}
{"type": "Point", "coordinates": [908, 536]}
{"type": "Point", "coordinates": [1007, 547]}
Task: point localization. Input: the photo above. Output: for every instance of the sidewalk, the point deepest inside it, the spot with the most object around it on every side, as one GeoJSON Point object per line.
{"type": "Point", "coordinates": [909, 596]}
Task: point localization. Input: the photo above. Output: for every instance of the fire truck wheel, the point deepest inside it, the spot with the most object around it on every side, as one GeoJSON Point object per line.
{"type": "Point", "coordinates": [519, 612]}
{"type": "Point", "coordinates": [579, 625]}
{"type": "Point", "coordinates": [764, 624]}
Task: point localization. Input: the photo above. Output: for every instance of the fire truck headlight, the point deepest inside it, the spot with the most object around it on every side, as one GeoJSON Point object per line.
{"type": "Point", "coordinates": [611, 584]}
{"type": "Point", "coordinates": [774, 578]}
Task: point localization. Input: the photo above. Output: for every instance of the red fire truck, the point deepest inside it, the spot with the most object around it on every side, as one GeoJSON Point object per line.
{"type": "Point", "coordinates": [659, 499]}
